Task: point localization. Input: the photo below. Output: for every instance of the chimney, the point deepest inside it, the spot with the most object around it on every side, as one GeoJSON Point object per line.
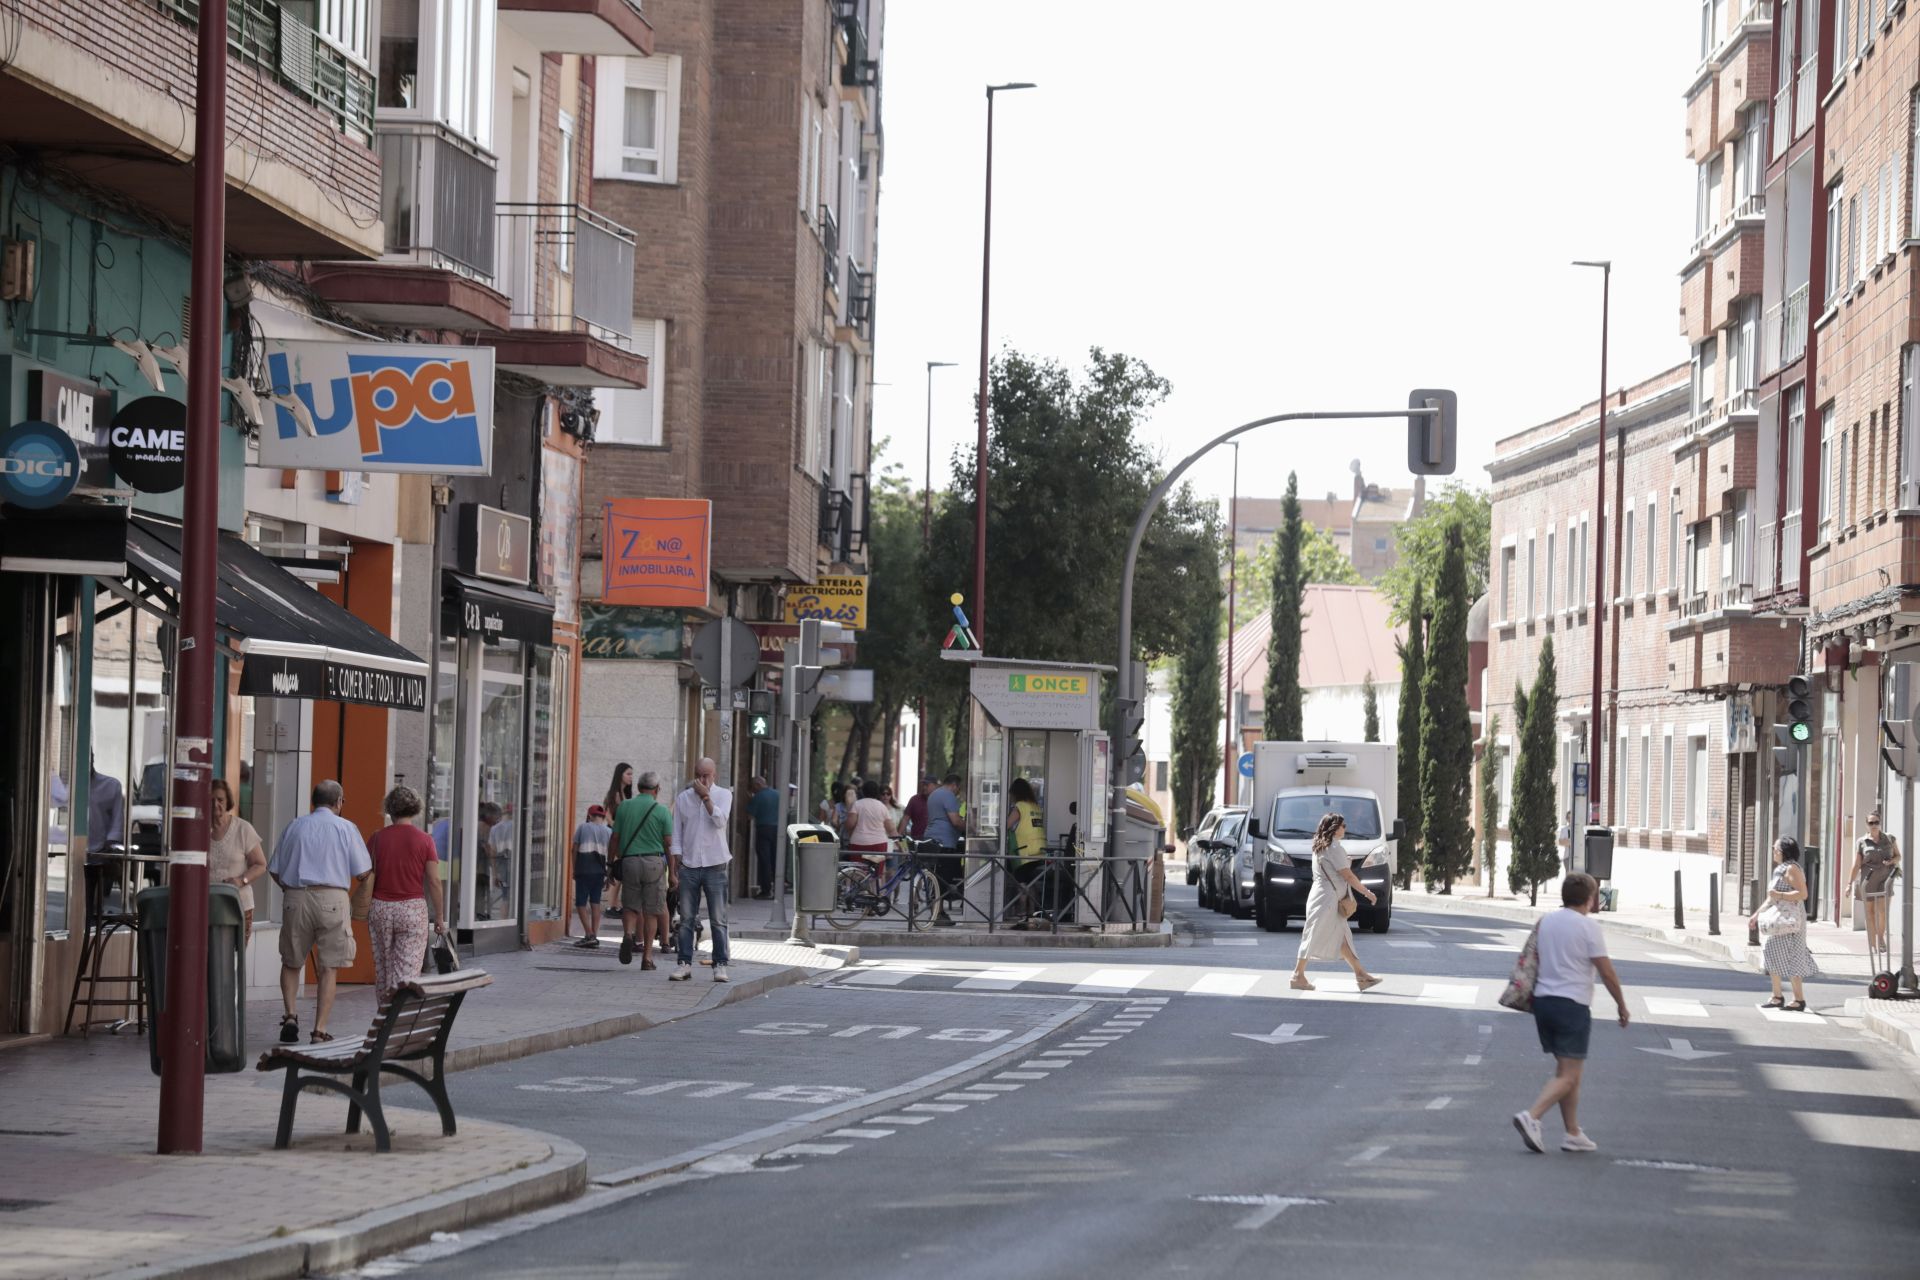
{"type": "Point", "coordinates": [1359, 484]}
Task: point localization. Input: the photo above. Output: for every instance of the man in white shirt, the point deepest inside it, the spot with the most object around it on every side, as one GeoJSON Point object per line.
{"type": "Point", "coordinates": [1571, 949]}
{"type": "Point", "coordinates": [701, 855]}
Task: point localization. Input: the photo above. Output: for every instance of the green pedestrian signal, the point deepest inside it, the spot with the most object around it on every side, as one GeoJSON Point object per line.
{"type": "Point", "coordinates": [760, 725]}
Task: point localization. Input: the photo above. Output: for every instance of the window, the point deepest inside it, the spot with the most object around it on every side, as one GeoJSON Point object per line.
{"type": "Point", "coordinates": [1552, 586]}
{"type": "Point", "coordinates": [1909, 448]}
{"type": "Point", "coordinates": [1573, 567]}
{"type": "Point", "coordinates": [1665, 808]}
{"type": "Point", "coordinates": [1506, 583]}
{"type": "Point", "coordinates": [1826, 474]}
{"type": "Point", "coordinates": [1750, 159]}
{"type": "Point", "coordinates": [638, 416]}
{"type": "Point", "coordinates": [1743, 539]}
{"type": "Point", "coordinates": [435, 60]}
{"type": "Point", "coordinates": [840, 462]}
{"type": "Point", "coordinates": [822, 458]}
{"type": "Point", "coordinates": [1796, 445]}
{"type": "Point", "coordinates": [1704, 358]}
{"type": "Point", "coordinates": [1696, 816]}
{"type": "Point", "coordinates": [1673, 541]}
{"type": "Point", "coordinates": [1626, 555]}
{"type": "Point", "coordinates": [400, 55]}
{"type": "Point", "coordinates": [1531, 578]}
{"type": "Point", "coordinates": [1646, 779]}
{"type": "Point", "coordinates": [1742, 371]}
{"type": "Point", "coordinates": [1843, 475]}
{"type": "Point", "coordinates": [636, 130]}
{"type": "Point", "coordinates": [1853, 241]}
{"type": "Point", "coordinates": [1836, 213]}
{"type": "Point", "coordinates": [1713, 22]}
{"type": "Point", "coordinates": [1652, 528]}
{"type": "Point", "coordinates": [1707, 183]}
{"type": "Point", "coordinates": [1619, 815]}
{"type": "Point", "coordinates": [563, 256]}
{"type": "Point", "coordinates": [1506, 782]}
{"type": "Point", "coordinates": [1913, 164]}
{"type": "Point", "coordinates": [1700, 562]}
{"type": "Point", "coordinates": [1885, 241]}
{"type": "Point", "coordinates": [1585, 559]}
{"type": "Point", "coordinates": [812, 362]}
{"type": "Point", "coordinates": [1842, 34]}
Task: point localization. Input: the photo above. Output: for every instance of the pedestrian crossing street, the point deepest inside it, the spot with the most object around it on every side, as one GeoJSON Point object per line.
{"type": "Point", "coordinates": [1449, 991]}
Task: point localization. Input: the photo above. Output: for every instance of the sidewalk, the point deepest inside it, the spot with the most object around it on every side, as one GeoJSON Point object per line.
{"type": "Point", "coordinates": [86, 1195]}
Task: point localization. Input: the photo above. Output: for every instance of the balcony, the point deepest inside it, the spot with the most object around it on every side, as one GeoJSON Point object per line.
{"type": "Point", "coordinates": [860, 302]}
{"type": "Point", "coordinates": [830, 248]}
{"type": "Point", "coordinates": [274, 37]}
{"type": "Point", "coordinates": [568, 277]}
{"type": "Point", "coordinates": [1782, 120]}
{"type": "Point", "coordinates": [608, 28]}
{"type": "Point", "coordinates": [1719, 642]}
{"type": "Point", "coordinates": [1804, 82]}
{"type": "Point", "coordinates": [860, 70]}
{"type": "Point", "coordinates": [437, 206]}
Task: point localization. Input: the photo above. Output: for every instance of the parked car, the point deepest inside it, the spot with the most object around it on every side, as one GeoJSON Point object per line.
{"type": "Point", "coordinates": [1236, 876]}
{"type": "Point", "coordinates": [1222, 827]}
{"type": "Point", "coordinates": [1204, 832]}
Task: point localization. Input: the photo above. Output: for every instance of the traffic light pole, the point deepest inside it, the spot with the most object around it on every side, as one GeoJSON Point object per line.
{"type": "Point", "coordinates": [1432, 417]}
{"type": "Point", "coordinates": [783, 774]}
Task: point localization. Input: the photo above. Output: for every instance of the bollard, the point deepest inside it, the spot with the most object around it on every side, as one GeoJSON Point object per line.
{"type": "Point", "coordinates": [1679, 911]}
{"type": "Point", "coordinates": [1713, 905]}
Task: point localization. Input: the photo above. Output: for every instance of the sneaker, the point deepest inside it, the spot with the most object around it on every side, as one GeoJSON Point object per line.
{"type": "Point", "coordinates": [593, 942]}
{"type": "Point", "coordinates": [720, 973]}
{"type": "Point", "coordinates": [583, 943]}
{"type": "Point", "coordinates": [944, 920]}
{"type": "Point", "coordinates": [681, 972]}
{"type": "Point", "coordinates": [1578, 1142]}
{"type": "Point", "coordinates": [1529, 1131]}
{"type": "Point", "coordinates": [626, 949]}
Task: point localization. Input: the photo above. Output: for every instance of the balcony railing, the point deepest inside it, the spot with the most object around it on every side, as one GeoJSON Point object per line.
{"type": "Point", "coordinates": [436, 197]}
{"type": "Point", "coordinates": [1782, 120]}
{"type": "Point", "coordinates": [1754, 206]}
{"type": "Point", "coordinates": [569, 269]}
{"type": "Point", "coordinates": [1764, 565]}
{"type": "Point", "coordinates": [1695, 605]}
{"type": "Point", "coordinates": [830, 242]}
{"type": "Point", "coordinates": [861, 69]}
{"type": "Point", "coordinates": [860, 301]}
{"type": "Point", "coordinates": [1793, 327]}
{"type": "Point", "coordinates": [1790, 551]}
{"type": "Point", "coordinates": [276, 39]}
{"type": "Point", "coordinates": [1803, 100]}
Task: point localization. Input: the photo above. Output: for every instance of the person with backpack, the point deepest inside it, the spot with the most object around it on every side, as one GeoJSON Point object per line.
{"type": "Point", "coordinates": [642, 834]}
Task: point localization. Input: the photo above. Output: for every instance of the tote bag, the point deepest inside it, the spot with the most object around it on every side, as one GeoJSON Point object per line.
{"type": "Point", "coordinates": [1526, 971]}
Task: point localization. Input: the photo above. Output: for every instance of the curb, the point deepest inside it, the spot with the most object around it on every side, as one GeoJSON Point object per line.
{"type": "Point", "coordinates": [1877, 1020]}
{"type": "Point", "coordinates": [1725, 948]}
{"type": "Point", "coordinates": [951, 938]}
{"type": "Point", "coordinates": [351, 1241]}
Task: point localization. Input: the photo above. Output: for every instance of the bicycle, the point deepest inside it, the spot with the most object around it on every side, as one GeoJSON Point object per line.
{"type": "Point", "coordinates": [859, 892]}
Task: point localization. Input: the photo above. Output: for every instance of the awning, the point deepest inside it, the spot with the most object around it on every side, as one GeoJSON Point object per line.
{"type": "Point", "coordinates": [493, 611]}
{"type": "Point", "coordinates": [293, 641]}
{"type": "Point", "coordinates": [72, 538]}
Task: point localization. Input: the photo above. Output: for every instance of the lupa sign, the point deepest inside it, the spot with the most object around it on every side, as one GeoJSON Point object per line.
{"type": "Point", "coordinates": [380, 406]}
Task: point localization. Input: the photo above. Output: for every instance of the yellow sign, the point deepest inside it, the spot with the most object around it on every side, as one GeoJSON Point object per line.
{"type": "Point", "coordinates": [1045, 682]}
{"type": "Point", "coordinates": [842, 600]}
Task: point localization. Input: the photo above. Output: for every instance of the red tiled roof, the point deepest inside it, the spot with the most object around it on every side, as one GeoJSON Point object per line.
{"type": "Point", "coordinates": [1344, 636]}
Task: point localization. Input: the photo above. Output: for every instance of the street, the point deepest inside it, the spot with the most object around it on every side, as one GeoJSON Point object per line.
{"type": "Point", "coordinates": [1181, 1112]}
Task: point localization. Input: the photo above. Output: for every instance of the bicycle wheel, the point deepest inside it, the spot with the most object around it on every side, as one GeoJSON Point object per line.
{"type": "Point", "coordinates": [851, 893]}
{"type": "Point", "coordinates": [923, 899]}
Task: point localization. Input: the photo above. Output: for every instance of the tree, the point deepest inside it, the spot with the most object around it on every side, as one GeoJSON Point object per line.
{"type": "Point", "coordinates": [1321, 560]}
{"type": "Point", "coordinates": [1422, 544]}
{"type": "Point", "coordinates": [1369, 709]}
{"type": "Point", "coordinates": [1446, 728]}
{"type": "Point", "coordinates": [1531, 822]}
{"type": "Point", "coordinates": [1490, 802]}
{"type": "Point", "coordinates": [1196, 700]}
{"type": "Point", "coordinates": [1412, 653]}
{"type": "Point", "coordinates": [1285, 718]}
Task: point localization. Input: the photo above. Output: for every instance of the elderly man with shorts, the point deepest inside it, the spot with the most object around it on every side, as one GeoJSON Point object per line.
{"type": "Point", "coordinates": [1572, 949]}
{"type": "Point", "coordinates": [642, 831]}
{"type": "Point", "coordinates": [316, 862]}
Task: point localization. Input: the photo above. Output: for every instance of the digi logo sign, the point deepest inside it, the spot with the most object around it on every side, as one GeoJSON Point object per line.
{"type": "Point", "coordinates": [381, 407]}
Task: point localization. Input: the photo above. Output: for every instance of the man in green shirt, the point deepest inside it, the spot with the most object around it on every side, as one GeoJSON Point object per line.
{"type": "Point", "coordinates": [642, 834]}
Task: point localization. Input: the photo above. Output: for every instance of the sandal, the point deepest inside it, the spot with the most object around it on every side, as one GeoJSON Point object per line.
{"type": "Point", "coordinates": [319, 1037]}
{"type": "Point", "coordinates": [1301, 984]}
{"type": "Point", "coordinates": [1798, 1006]}
{"type": "Point", "coordinates": [1368, 982]}
{"type": "Point", "coordinates": [1775, 1003]}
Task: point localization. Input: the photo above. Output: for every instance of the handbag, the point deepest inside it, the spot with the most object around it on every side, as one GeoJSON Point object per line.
{"type": "Point", "coordinates": [1344, 903]}
{"type": "Point", "coordinates": [1779, 920]}
{"type": "Point", "coordinates": [445, 958]}
{"type": "Point", "coordinates": [1526, 972]}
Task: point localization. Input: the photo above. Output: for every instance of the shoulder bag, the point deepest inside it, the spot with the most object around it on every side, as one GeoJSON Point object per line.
{"type": "Point", "coordinates": [649, 872]}
{"type": "Point", "coordinates": [1526, 972]}
{"type": "Point", "coordinates": [1345, 903]}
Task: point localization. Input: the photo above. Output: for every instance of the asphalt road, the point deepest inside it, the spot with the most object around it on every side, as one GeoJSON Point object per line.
{"type": "Point", "coordinates": [1048, 1113]}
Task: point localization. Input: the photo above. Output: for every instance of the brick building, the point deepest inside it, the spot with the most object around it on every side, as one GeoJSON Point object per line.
{"type": "Point", "coordinates": [1361, 523]}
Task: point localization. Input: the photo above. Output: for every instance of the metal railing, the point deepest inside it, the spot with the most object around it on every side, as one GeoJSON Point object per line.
{"type": "Point", "coordinates": [830, 242]}
{"type": "Point", "coordinates": [1782, 120]}
{"type": "Point", "coordinates": [277, 40]}
{"type": "Point", "coordinates": [860, 301]}
{"type": "Point", "coordinates": [1764, 566]}
{"type": "Point", "coordinates": [1754, 206]}
{"type": "Point", "coordinates": [1790, 551]}
{"type": "Point", "coordinates": [436, 197]}
{"type": "Point", "coordinates": [1695, 605]}
{"type": "Point", "coordinates": [1793, 326]}
{"type": "Point", "coordinates": [569, 269]}
{"type": "Point", "coordinates": [998, 891]}
{"type": "Point", "coordinates": [861, 69]}
{"type": "Point", "coordinates": [1805, 81]}
{"type": "Point", "coordinates": [1770, 340]}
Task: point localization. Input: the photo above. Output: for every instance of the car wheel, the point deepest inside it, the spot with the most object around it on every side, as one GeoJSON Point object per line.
{"type": "Point", "coordinates": [1193, 873]}
{"type": "Point", "coordinates": [1271, 920]}
{"type": "Point", "coordinates": [1381, 920]}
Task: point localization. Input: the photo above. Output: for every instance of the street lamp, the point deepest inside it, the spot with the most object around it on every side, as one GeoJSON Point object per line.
{"type": "Point", "coordinates": [926, 508]}
{"type": "Point", "coordinates": [980, 448]}
{"type": "Point", "coordinates": [1599, 566]}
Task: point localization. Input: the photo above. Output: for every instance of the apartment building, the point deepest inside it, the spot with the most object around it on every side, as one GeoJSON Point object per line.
{"type": "Point", "coordinates": [1361, 523]}
{"type": "Point", "coordinates": [747, 154]}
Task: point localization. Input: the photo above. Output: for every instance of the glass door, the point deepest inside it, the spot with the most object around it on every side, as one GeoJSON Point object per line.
{"type": "Point", "coordinates": [499, 828]}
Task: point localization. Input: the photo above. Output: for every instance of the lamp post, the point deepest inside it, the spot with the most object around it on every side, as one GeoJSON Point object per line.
{"type": "Point", "coordinates": [980, 448]}
{"type": "Point", "coordinates": [1230, 783]}
{"type": "Point", "coordinates": [1599, 570]}
{"type": "Point", "coordinates": [926, 491]}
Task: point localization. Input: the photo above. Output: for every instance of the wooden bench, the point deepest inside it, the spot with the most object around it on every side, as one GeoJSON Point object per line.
{"type": "Point", "coordinates": [410, 1027]}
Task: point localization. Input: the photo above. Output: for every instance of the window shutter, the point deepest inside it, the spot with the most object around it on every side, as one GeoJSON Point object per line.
{"type": "Point", "coordinates": [609, 98]}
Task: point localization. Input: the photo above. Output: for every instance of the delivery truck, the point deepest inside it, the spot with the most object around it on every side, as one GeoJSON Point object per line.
{"type": "Point", "coordinates": [1295, 784]}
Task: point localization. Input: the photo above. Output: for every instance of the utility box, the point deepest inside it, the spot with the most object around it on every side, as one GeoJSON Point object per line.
{"type": "Point", "coordinates": [1597, 857]}
{"type": "Point", "coordinates": [226, 974]}
{"type": "Point", "coordinates": [816, 870]}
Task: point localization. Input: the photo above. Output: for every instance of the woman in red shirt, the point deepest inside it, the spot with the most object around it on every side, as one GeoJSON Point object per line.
{"type": "Point", "coordinates": [397, 921]}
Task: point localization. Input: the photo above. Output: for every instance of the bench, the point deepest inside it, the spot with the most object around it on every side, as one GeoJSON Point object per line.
{"type": "Point", "coordinates": [411, 1027]}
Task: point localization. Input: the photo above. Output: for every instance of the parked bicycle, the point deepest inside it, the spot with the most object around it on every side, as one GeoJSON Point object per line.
{"type": "Point", "coordinates": [865, 889]}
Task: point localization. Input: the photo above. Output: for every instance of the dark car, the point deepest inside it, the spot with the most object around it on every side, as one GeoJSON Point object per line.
{"type": "Point", "coordinates": [1222, 830]}
{"type": "Point", "coordinates": [1196, 855]}
{"type": "Point", "coordinates": [1284, 877]}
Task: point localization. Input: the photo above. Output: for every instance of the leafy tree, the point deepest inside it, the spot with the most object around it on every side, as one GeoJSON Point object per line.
{"type": "Point", "coordinates": [1530, 822]}
{"type": "Point", "coordinates": [1446, 730]}
{"type": "Point", "coordinates": [1321, 560]}
{"type": "Point", "coordinates": [1370, 709]}
{"type": "Point", "coordinates": [1490, 802]}
{"type": "Point", "coordinates": [1285, 716]}
{"type": "Point", "coordinates": [895, 643]}
{"type": "Point", "coordinates": [1422, 546]}
{"type": "Point", "coordinates": [1196, 700]}
{"type": "Point", "coordinates": [1412, 653]}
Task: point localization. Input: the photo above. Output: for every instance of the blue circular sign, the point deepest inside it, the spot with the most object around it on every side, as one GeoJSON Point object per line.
{"type": "Point", "coordinates": [39, 464]}
{"type": "Point", "coordinates": [1246, 764]}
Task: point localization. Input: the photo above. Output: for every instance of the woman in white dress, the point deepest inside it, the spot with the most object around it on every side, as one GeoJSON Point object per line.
{"type": "Point", "coordinates": [1324, 934]}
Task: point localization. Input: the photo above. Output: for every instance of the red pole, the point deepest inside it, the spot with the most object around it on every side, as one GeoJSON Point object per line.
{"type": "Point", "coordinates": [980, 445]}
{"type": "Point", "coordinates": [1229, 784]}
{"type": "Point", "coordinates": [1599, 561]}
{"type": "Point", "coordinates": [183, 1031]}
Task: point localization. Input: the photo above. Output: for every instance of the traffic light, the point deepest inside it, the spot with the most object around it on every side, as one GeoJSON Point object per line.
{"type": "Point", "coordinates": [1432, 438]}
{"type": "Point", "coordinates": [1132, 752]}
{"type": "Point", "coordinates": [1786, 752]}
{"type": "Point", "coordinates": [760, 717]}
{"type": "Point", "coordinates": [1896, 746]}
{"type": "Point", "coordinates": [1800, 708]}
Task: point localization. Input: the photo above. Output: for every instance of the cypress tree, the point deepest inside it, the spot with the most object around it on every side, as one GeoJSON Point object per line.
{"type": "Point", "coordinates": [1412, 652]}
{"type": "Point", "coordinates": [1284, 716]}
{"type": "Point", "coordinates": [1446, 729]}
{"type": "Point", "coordinates": [1370, 709]}
{"type": "Point", "coordinates": [1196, 701]}
{"type": "Point", "coordinates": [1535, 859]}
{"type": "Point", "coordinates": [1490, 801]}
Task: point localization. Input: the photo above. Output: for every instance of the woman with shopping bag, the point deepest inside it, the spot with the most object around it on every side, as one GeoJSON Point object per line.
{"type": "Point", "coordinates": [1782, 922]}
{"type": "Point", "coordinates": [1324, 934]}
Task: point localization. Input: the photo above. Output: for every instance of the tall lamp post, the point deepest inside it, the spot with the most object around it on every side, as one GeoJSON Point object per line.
{"type": "Point", "coordinates": [1599, 570]}
{"type": "Point", "coordinates": [980, 448]}
{"type": "Point", "coordinates": [926, 491]}
{"type": "Point", "coordinates": [1230, 782]}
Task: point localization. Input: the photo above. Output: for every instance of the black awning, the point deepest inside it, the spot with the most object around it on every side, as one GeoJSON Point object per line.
{"type": "Point", "coordinates": [73, 538]}
{"type": "Point", "coordinates": [294, 642]}
{"type": "Point", "coordinates": [493, 611]}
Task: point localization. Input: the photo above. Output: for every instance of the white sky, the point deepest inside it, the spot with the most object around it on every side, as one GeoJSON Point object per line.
{"type": "Point", "coordinates": [1281, 205]}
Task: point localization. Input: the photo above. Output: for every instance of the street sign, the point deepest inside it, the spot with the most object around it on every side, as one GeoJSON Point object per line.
{"type": "Point", "coordinates": [844, 685]}
{"type": "Point", "coordinates": [1246, 764]}
{"type": "Point", "coordinates": [705, 652]}
{"type": "Point", "coordinates": [1580, 777]}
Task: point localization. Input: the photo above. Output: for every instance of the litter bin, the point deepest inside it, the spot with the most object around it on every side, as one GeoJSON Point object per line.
{"type": "Point", "coordinates": [226, 974]}
{"type": "Point", "coordinates": [816, 868]}
{"type": "Point", "coordinates": [1598, 859]}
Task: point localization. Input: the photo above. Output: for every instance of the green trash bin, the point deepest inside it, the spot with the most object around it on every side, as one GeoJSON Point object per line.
{"type": "Point", "coordinates": [816, 869]}
{"type": "Point", "coordinates": [226, 974]}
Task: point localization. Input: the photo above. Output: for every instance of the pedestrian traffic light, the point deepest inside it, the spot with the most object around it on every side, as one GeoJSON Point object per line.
{"type": "Point", "coordinates": [1432, 438]}
{"type": "Point", "coordinates": [1896, 746]}
{"type": "Point", "coordinates": [1800, 708]}
{"type": "Point", "coordinates": [760, 717]}
{"type": "Point", "coordinates": [1786, 752]}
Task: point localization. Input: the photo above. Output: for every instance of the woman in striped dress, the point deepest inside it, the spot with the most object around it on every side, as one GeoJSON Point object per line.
{"type": "Point", "coordinates": [1784, 937]}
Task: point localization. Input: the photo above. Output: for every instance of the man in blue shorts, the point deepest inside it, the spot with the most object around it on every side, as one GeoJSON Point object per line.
{"type": "Point", "coordinates": [1572, 950]}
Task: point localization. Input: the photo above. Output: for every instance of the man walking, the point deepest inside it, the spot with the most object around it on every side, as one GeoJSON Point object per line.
{"type": "Point", "coordinates": [944, 827]}
{"type": "Point", "coordinates": [764, 808]}
{"type": "Point", "coordinates": [1571, 948]}
{"type": "Point", "coordinates": [701, 857]}
{"type": "Point", "coordinates": [642, 832]}
{"type": "Point", "coordinates": [315, 863]}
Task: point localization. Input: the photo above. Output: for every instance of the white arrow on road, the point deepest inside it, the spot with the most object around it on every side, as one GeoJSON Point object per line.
{"type": "Point", "coordinates": [1682, 1049]}
{"type": "Point", "coordinates": [1285, 1033]}
{"type": "Point", "coordinates": [1265, 1208]}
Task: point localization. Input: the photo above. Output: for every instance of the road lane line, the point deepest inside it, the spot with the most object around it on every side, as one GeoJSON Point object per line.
{"type": "Point", "coordinates": [1113, 980]}
{"type": "Point", "coordinates": [965, 1097]}
{"type": "Point", "coordinates": [1045, 1064]}
{"type": "Point", "coordinates": [1022, 1075]}
{"type": "Point", "coordinates": [935, 1106]}
{"type": "Point", "coordinates": [1440, 1103]}
{"type": "Point", "coordinates": [998, 1088]}
{"type": "Point", "coordinates": [1224, 984]}
{"type": "Point", "coordinates": [1416, 942]}
{"type": "Point", "coordinates": [1368, 1156]}
{"type": "Point", "coordinates": [1661, 1007]}
{"type": "Point", "coordinates": [1236, 942]}
{"type": "Point", "coordinates": [1000, 978]}
{"type": "Point", "coordinates": [897, 1118]}
{"type": "Point", "coordinates": [861, 1133]}
{"type": "Point", "coordinates": [1473, 1060]}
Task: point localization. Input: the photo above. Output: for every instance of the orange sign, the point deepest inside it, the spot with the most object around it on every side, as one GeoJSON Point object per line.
{"type": "Point", "coordinates": [654, 551]}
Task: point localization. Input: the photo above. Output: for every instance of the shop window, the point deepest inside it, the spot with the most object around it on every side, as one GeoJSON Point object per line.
{"type": "Point", "coordinates": [549, 766]}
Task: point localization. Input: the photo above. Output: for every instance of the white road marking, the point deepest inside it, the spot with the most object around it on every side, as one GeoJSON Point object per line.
{"type": "Point", "coordinates": [1662, 1007]}
{"type": "Point", "coordinates": [1045, 1064]}
{"type": "Point", "coordinates": [880, 977]}
{"type": "Point", "coordinates": [1473, 1060]}
{"type": "Point", "coordinates": [1021, 1075]}
{"type": "Point", "coordinates": [861, 1133]}
{"type": "Point", "coordinates": [1677, 1166]}
{"type": "Point", "coordinates": [1265, 1208]}
{"type": "Point", "coordinates": [998, 1088]}
{"type": "Point", "coordinates": [1447, 993]}
{"type": "Point", "coordinates": [1486, 1029]}
{"type": "Point", "coordinates": [1781, 1015]}
{"type": "Point", "coordinates": [809, 1149]}
{"type": "Point", "coordinates": [1427, 946]}
{"type": "Point", "coordinates": [1285, 1033]}
{"type": "Point", "coordinates": [1068, 1053]}
{"type": "Point", "coordinates": [935, 1106]}
{"type": "Point", "coordinates": [1440, 1103]}
{"type": "Point", "coordinates": [1368, 1156]}
{"type": "Point", "coordinates": [897, 1118]}
{"type": "Point", "coordinates": [1510, 948]}
{"type": "Point", "coordinates": [1676, 957]}
{"type": "Point", "coordinates": [1113, 980]}
{"type": "Point", "coordinates": [1000, 978]}
{"type": "Point", "coordinates": [1224, 984]}
{"type": "Point", "coordinates": [1682, 1049]}
{"type": "Point", "coordinates": [1236, 942]}
{"type": "Point", "coordinates": [965, 1097]}
{"type": "Point", "coordinates": [1148, 1000]}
